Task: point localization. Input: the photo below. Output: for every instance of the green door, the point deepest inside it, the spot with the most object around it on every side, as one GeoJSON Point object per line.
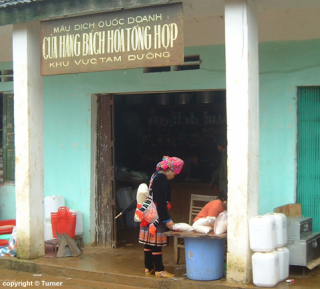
{"type": "Point", "coordinates": [308, 191]}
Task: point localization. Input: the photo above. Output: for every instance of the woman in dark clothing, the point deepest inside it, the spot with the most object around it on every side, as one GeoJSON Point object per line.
{"type": "Point", "coordinates": [153, 241]}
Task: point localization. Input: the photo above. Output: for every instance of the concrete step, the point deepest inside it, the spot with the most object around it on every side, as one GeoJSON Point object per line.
{"type": "Point", "coordinates": [75, 273]}
{"type": "Point", "coordinates": [14, 269]}
{"type": "Point", "coordinates": [18, 279]}
{"type": "Point", "coordinates": [111, 280]}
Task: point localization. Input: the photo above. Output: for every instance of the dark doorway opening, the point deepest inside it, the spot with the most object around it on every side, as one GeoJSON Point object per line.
{"type": "Point", "coordinates": [150, 126]}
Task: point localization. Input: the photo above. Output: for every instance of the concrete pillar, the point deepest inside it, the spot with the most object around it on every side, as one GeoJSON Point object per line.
{"type": "Point", "coordinates": [242, 82]}
{"type": "Point", "coordinates": [28, 118]}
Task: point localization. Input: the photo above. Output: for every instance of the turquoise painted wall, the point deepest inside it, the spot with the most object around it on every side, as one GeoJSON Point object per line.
{"type": "Point", "coordinates": [283, 67]}
{"type": "Point", "coordinates": [8, 202]}
{"type": "Point", "coordinates": [7, 190]}
{"type": "Point", "coordinates": [67, 118]}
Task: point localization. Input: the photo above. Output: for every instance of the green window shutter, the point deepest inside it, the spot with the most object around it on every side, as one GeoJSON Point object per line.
{"type": "Point", "coordinates": [8, 137]}
{"type": "Point", "coordinates": [308, 189]}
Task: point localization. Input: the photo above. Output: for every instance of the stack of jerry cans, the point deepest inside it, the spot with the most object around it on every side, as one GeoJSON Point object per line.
{"type": "Point", "coordinates": [268, 238]}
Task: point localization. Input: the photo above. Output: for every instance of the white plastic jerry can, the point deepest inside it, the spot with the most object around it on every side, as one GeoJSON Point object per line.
{"type": "Point", "coordinates": [284, 254]}
{"type": "Point", "coordinates": [79, 222]}
{"type": "Point", "coordinates": [281, 229]}
{"type": "Point", "coordinates": [262, 233]}
{"type": "Point", "coordinates": [52, 204]}
{"type": "Point", "coordinates": [265, 269]}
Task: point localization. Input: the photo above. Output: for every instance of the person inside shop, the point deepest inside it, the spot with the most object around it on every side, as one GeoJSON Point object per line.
{"type": "Point", "coordinates": [159, 188]}
{"type": "Point", "coordinates": [215, 207]}
{"type": "Point", "coordinates": [195, 170]}
{"type": "Point", "coordinates": [219, 176]}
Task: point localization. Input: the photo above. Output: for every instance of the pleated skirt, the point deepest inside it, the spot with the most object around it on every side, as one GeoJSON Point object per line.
{"type": "Point", "coordinates": [159, 239]}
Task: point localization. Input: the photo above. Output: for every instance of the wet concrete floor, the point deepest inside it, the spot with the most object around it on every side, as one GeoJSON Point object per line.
{"type": "Point", "coordinates": [18, 279]}
{"type": "Point", "coordinates": [123, 267]}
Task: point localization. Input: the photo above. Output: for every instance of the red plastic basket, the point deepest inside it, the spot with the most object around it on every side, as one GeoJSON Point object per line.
{"type": "Point", "coordinates": [63, 222]}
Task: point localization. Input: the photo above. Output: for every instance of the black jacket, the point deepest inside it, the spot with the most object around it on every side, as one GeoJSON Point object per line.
{"type": "Point", "coordinates": [161, 191]}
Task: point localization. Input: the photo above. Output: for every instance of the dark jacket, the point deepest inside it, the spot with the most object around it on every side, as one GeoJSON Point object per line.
{"type": "Point", "coordinates": [161, 191]}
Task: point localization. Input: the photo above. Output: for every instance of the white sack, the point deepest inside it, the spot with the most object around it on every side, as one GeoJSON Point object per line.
{"type": "Point", "coordinates": [207, 221]}
{"type": "Point", "coordinates": [182, 227]}
{"type": "Point", "coordinates": [202, 229]}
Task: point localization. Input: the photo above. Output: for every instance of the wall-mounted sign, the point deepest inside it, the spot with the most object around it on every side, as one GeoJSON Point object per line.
{"type": "Point", "coordinates": [144, 37]}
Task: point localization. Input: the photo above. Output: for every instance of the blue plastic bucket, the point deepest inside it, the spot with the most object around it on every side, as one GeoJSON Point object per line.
{"type": "Point", "coordinates": [204, 258]}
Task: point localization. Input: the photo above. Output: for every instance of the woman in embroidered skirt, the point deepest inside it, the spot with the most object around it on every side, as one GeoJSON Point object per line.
{"type": "Point", "coordinates": [152, 235]}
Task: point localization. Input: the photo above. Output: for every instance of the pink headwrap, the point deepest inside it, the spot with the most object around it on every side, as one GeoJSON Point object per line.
{"type": "Point", "coordinates": [172, 163]}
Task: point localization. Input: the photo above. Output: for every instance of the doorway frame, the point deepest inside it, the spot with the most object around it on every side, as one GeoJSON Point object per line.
{"type": "Point", "coordinates": [107, 236]}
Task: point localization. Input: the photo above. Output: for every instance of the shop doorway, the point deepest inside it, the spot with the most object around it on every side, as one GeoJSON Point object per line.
{"type": "Point", "coordinates": [145, 127]}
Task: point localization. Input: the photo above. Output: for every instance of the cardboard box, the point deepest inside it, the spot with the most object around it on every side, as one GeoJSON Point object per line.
{"type": "Point", "coordinates": [290, 210]}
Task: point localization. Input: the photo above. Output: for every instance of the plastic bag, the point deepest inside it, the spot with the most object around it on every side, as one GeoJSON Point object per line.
{"type": "Point", "coordinates": [124, 197]}
{"type": "Point", "coordinates": [221, 223]}
{"type": "Point", "coordinates": [182, 227]}
{"type": "Point", "coordinates": [11, 249]}
{"type": "Point", "coordinates": [12, 241]}
{"type": "Point", "coordinates": [202, 229]}
{"type": "Point", "coordinates": [207, 221]}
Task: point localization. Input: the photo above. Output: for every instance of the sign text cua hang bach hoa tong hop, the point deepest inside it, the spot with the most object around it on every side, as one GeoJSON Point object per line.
{"type": "Point", "coordinates": [142, 37]}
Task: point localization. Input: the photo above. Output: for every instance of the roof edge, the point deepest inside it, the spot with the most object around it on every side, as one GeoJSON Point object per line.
{"type": "Point", "coordinates": [50, 9]}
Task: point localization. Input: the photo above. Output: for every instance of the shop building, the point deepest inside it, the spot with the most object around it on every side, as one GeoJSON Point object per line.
{"type": "Point", "coordinates": [256, 61]}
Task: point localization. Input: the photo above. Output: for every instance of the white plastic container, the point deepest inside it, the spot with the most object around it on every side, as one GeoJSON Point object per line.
{"type": "Point", "coordinates": [47, 230]}
{"type": "Point", "coordinates": [281, 229]}
{"type": "Point", "coordinates": [129, 217]}
{"type": "Point", "coordinates": [52, 204]}
{"type": "Point", "coordinates": [124, 197]}
{"type": "Point", "coordinates": [265, 269]}
{"type": "Point", "coordinates": [262, 233]}
{"type": "Point", "coordinates": [284, 255]}
{"type": "Point", "coordinates": [79, 223]}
